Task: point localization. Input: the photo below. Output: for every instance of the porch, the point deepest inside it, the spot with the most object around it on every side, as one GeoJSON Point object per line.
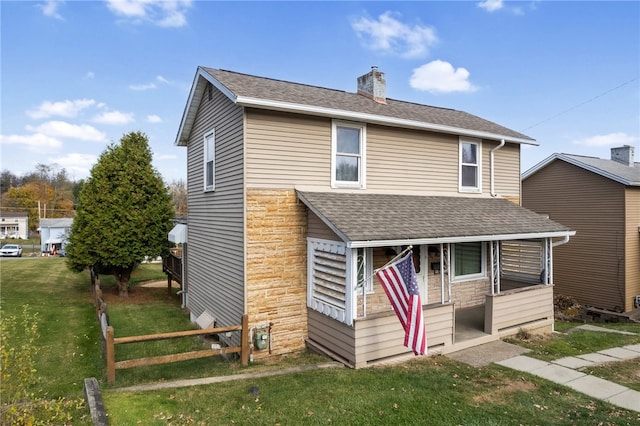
{"type": "Point", "coordinates": [378, 338]}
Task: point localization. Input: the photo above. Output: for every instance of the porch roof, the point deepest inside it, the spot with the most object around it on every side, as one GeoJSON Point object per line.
{"type": "Point", "coordinates": [367, 220]}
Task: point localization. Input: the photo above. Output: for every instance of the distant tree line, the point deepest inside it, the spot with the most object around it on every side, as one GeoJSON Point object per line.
{"type": "Point", "coordinates": [58, 194]}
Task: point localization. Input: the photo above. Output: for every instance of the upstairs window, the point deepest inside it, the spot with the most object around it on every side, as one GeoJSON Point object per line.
{"type": "Point", "coordinates": [209, 161]}
{"type": "Point", "coordinates": [348, 160]}
{"type": "Point", "coordinates": [470, 166]}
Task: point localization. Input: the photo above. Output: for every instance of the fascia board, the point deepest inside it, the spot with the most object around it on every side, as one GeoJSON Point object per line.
{"type": "Point", "coordinates": [373, 119]}
{"type": "Point", "coordinates": [193, 101]}
{"type": "Point", "coordinates": [461, 239]}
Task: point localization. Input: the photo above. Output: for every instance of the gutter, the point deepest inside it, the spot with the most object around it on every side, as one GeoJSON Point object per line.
{"type": "Point", "coordinates": [565, 240]}
{"type": "Point", "coordinates": [493, 191]}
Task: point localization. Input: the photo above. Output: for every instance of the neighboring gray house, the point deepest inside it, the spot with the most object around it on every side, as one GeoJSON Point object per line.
{"type": "Point", "coordinates": [14, 225]}
{"type": "Point", "coordinates": [54, 233]}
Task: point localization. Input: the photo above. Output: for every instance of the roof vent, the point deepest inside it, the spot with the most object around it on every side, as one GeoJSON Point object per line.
{"type": "Point", "coordinates": [373, 85]}
{"type": "Point", "coordinates": [623, 155]}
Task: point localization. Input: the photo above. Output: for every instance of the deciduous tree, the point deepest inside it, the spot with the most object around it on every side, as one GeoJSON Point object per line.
{"type": "Point", "coordinates": [124, 212]}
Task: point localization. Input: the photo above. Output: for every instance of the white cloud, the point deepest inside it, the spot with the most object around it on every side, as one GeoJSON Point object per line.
{"type": "Point", "coordinates": [114, 117]}
{"type": "Point", "coordinates": [389, 35]}
{"type": "Point", "coordinates": [163, 13]}
{"type": "Point", "coordinates": [611, 139]}
{"type": "Point", "coordinates": [36, 142]}
{"type": "Point", "coordinates": [90, 75]}
{"type": "Point", "coordinates": [165, 157]}
{"type": "Point", "coordinates": [62, 109]}
{"type": "Point", "coordinates": [161, 79]}
{"type": "Point", "coordinates": [77, 165]}
{"type": "Point", "coordinates": [152, 118]}
{"type": "Point", "coordinates": [141, 87]}
{"type": "Point", "coordinates": [64, 130]}
{"type": "Point", "coordinates": [440, 77]}
{"type": "Point", "coordinates": [491, 5]}
{"type": "Point", "coordinates": [50, 8]}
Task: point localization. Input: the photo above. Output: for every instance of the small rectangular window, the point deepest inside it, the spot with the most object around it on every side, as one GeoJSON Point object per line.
{"type": "Point", "coordinates": [348, 147]}
{"type": "Point", "coordinates": [470, 166]}
{"type": "Point", "coordinates": [209, 161]}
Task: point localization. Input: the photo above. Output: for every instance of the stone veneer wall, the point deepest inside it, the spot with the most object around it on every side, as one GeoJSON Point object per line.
{"type": "Point", "coordinates": [276, 269]}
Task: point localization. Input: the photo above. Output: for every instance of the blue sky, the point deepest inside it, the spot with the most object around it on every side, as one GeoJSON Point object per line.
{"type": "Point", "coordinates": [77, 75]}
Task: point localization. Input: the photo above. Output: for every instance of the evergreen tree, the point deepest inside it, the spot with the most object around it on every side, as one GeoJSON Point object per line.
{"type": "Point", "coordinates": [124, 212]}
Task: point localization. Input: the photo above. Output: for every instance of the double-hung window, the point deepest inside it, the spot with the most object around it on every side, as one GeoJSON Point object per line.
{"type": "Point", "coordinates": [470, 166]}
{"type": "Point", "coordinates": [469, 260]}
{"type": "Point", "coordinates": [348, 155]}
{"type": "Point", "coordinates": [210, 161]}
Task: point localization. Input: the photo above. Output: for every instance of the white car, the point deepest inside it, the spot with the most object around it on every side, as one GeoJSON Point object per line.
{"type": "Point", "coordinates": [11, 250]}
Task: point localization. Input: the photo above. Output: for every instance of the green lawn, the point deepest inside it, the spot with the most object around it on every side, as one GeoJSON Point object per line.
{"type": "Point", "coordinates": [431, 390]}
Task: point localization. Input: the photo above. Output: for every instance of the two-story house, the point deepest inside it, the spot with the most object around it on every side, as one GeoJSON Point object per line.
{"type": "Point", "coordinates": [297, 194]}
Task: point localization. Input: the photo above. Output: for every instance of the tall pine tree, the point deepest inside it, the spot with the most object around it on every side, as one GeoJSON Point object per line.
{"type": "Point", "coordinates": [124, 212]}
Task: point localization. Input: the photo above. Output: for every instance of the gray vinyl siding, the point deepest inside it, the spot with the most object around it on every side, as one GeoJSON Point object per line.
{"type": "Point", "coordinates": [290, 150]}
{"type": "Point", "coordinates": [590, 267]}
{"type": "Point", "coordinates": [216, 219]}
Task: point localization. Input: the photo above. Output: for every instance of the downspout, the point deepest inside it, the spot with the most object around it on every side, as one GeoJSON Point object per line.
{"type": "Point", "coordinates": [493, 191]}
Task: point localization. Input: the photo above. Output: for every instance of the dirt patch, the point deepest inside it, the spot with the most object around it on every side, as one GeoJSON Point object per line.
{"type": "Point", "coordinates": [500, 395]}
{"type": "Point", "coordinates": [138, 295]}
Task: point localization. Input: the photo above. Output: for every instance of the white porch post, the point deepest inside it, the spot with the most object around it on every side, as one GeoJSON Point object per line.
{"type": "Point", "coordinates": [496, 247]}
{"type": "Point", "coordinates": [548, 261]}
{"type": "Point", "coordinates": [351, 291]}
{"type": "Point", "coordinates": [445, 261]}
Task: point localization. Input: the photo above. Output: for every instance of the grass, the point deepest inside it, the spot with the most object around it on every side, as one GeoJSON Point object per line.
{"type": "Point", "coordinates": [579, 342]}
{"type": "Point", "coordinates": [433, 390]}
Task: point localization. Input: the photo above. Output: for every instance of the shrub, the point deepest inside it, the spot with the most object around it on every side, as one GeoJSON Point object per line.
{"type": "Point", "coordinates": [19, 403]}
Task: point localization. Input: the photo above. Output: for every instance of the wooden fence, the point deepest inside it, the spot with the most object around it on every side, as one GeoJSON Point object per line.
{"type": "Point", "coordinates": [110, 341]}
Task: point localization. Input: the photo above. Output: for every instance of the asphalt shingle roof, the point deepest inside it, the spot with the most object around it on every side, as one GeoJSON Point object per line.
{"type": "Point", "coordinates": [262, 88]}
{"type": "Point", "coordinates": [630, 175]}
{"type": "Point", "coordinates": [374, 217]}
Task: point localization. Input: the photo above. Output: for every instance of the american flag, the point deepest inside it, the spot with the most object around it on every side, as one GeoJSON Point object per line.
{"type": "Point", "coordinates": [401, 286]}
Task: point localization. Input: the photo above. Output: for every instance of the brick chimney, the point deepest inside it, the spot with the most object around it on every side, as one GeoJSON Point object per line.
{"type": "Point", "coordinates": [623, 155]}
{"type": "Point", "coordinates": [373, 86]}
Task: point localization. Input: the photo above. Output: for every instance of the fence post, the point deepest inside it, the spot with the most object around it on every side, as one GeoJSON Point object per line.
{"type": "Point", "coordinates": [244, 340]}
{"type": "Point", "coordinates": [111, 356]}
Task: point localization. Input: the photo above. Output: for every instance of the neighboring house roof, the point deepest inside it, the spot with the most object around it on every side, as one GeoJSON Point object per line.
{"type": "Point", "coordinates": [367, 219]}
{"type": "Point", "coordinates": [14, 214]}
{"type": "Point", "coordinates": [56, 223]}
{"type": "Point", "coordinates": [611, 169]}
{"type": "Point", "coordinates": [265, 93]}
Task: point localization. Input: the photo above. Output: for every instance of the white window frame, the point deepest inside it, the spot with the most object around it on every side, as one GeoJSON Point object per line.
{"type": "Point", "coordinates": [209, 186]}
{"type": "Point", "coordinates": [478, 143]}
{"type": "Point", "coordinates": [362, 163]}
{"type": "Point", "coordinates": [469, 277]}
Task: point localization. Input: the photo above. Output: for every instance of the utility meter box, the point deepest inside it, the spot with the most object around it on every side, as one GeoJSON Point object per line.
{"type": "Point", "coordinates": [260, 339]}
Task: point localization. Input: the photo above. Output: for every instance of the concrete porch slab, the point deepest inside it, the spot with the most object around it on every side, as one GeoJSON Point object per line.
{"type": "Point", "coordinates": [485, 354]}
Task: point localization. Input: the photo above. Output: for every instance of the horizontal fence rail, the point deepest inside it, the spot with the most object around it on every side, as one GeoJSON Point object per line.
{"type": "Point", "coordinates": [112, 341]}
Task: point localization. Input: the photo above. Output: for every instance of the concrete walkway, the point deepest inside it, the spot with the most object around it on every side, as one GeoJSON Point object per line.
{"type": "Point", "coordinates": [564, 371]}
